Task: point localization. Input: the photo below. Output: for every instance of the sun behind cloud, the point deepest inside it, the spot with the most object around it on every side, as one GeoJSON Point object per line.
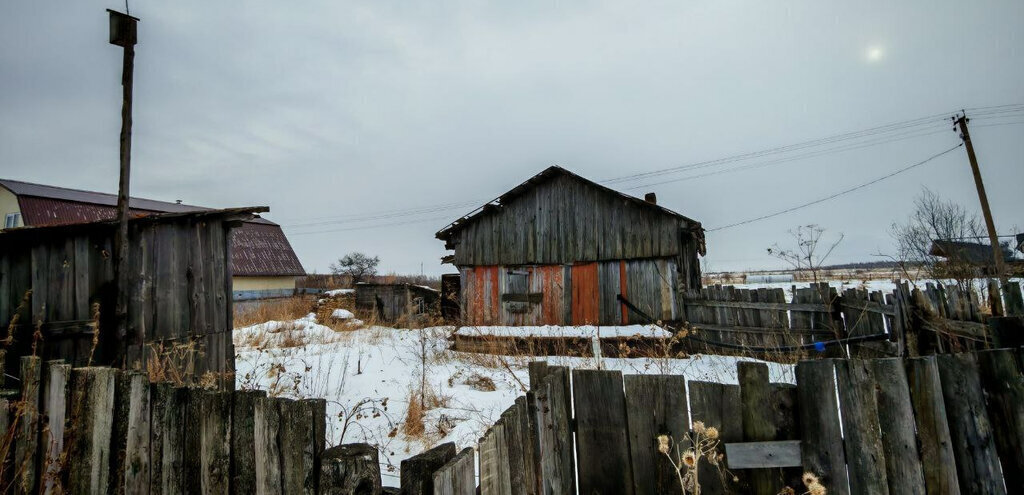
{"type": "Point", "coordinates": [874, 53]}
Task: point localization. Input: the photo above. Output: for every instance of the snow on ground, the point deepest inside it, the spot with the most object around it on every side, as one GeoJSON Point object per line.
{"type": "Point", "coordinates": [342, 314]}
{"type": "Point", "coordinates": [338, 292]}
{"type": "Point", "coordinates": [368, 376]}
{"type": "Point", "coordinates": [585, 331]}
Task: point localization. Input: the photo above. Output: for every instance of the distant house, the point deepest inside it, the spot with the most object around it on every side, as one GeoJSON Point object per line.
{"type": "Point", "coordinates": [972, 253]}
{"type": "Point", "coordinates": [263, 262]}
{"type": "Point", "coordinates": [560, 249]}
{"type": "Point", "coordinates": [394, 302]}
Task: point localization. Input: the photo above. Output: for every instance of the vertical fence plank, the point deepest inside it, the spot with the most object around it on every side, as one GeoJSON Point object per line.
{"type": "Point", "coordinates": [351, 468]}
{"type": "Point", "coordinates": [55, 398]}
{"type": "Point", "coordinates": [295, 436]}
{"type": "Point", "coordinates": [602, 441]}
{"type": "Point", "coordinates": [1004, 388]}
{"type": "Point", "coordinates": [932, 428]}
{"type": "Point", "coordinates": [717, 404]}
{"type": "Point", "coordinates": [896, 418]}
{"type": "Point", "coordinates": [490, 480]}
{"type": "Point", "coordinates": [457, 476]}
{"type": "Point", "coordinates": [130, 469]}
{"type": "Point", "coordinates": [243, 440]}
{"type": "Point", "coordinates": [759, 421]}
{"type": "Point", "coordinates": [526, 452]}
{"type": "Point", "coordinates": [822, 446]}
{"type": "Point", "coordinates": [215, 446]}
{"type": "Point", "coordinates": [92, 399]}
{"type": "Point", "coordinates": [418, 471]}
{"type": "Point", "coordinates": [533, 437]}
{"type": "Point", "coordinates": [554, 412]}
{"type": "Point", "coordinates": [969, 426]}
{"type": "Point", "coordinates": [167, 439]}
{"type": "Point", "coordinates": [655, 405]}
{"type": "Point", "coordinates": [864, 455]}
{"type": "Point", "coordinates": [266, 424]}
{"type": "Point", "coordinates": [514, 450]}
{"type": "Point", "coordinates": [26, 452]}
{"type": "Point", "coordinates": [316, 411]}
{"type": "Point", "coordinates": [192, 441]}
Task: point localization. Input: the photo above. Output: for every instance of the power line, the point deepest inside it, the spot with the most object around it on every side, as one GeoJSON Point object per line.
{"type": "Point", "coordinates": [836, 195]}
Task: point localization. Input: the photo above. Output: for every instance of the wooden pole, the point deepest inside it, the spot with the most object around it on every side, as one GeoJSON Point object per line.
{"type": "Point", "coordinates": [997, 253]}
{"type": "Point", "coordinates": [123, 33]}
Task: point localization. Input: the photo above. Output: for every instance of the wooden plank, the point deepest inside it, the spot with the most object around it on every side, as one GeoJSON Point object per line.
{"type": "Point", "coordinates": [243, 451]}
{"type": "Point", "coordinates": [761, 455]}
{"type": "Point", "coordinates": [805, 307]}
{"type": "Point", "coordinates": [537, 371]}
{"type": "Point", "coordinates": [167, 438]}
{"type": "Point", "coordinates": [130, 470]}
{"type": "Point", "coordinates": [655, 405]}
{"type": "Point", "coordinates": [973, 444]}
{"type": "Point", "coordinates": [294, 438]}
{"type": "Point", "coordinates": [717, 404]}
{"type": "Point", "coordinates": [773, 331]}
{"type": "Point", "coordinates": [490, 479]}
{"type": "Point", "coordinates": [351, 468]}
{"type": "Point", "coordinates": [554, 416]}
{"type": "Point", "coordinates": [418, 471]}
{"type": "Point", "coordinates": [55, 393]}
{"type": "Point", "coordinates": [92, 399]}
{"type": "Point", "coordinates": [26, 446]}
{"type": "Point", "coordinates": [759, 422]}
{"type": "Point", "coordinates": [1003, 384]}
{"type": "Point", "coordinates": [513, 449]}
{"type": "Point", "coordinates": [822, 449]}
{"type": "Point", "coordinates": [215, 447]}
{"type": "Point", "coordinates": [896, 418]}
{"type": "Point", "coordinates": [602, 441]}
{"type": "Point", "coordinates": [457, 476]}
{"type": "Point", "coordinates": [266, 424]}
{"type": "Point", "coordinates": [865, 457]}
{"type": "Point", "coordinates": [527, 454]}
{"type": "Point", "coordinates": [936, 445]}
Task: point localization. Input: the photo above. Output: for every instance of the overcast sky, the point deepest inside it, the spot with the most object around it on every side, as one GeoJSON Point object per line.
{"type": "Point", "coordinates": [349, 115]}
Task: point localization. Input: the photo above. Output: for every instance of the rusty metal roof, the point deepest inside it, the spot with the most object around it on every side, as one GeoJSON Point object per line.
{"type": "Point", "coordinates": [260, 247]}
{"type": "Point", "coordinates": [545, 175]}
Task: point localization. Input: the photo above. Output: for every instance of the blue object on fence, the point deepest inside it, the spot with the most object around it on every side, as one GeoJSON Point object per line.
{"type": "Point", "coordinates": [819, 346]}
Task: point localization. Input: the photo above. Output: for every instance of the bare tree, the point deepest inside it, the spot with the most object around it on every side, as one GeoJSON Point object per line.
{"type": "Point", "coordinates": [356, 265]}
{"type": "Point", "coordinates": [807, 256]}
{"type": "Point", "coordinates": [935, 219]}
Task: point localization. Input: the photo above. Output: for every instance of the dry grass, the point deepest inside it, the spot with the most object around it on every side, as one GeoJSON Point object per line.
{"type": "Point", "coordinates": [255, 312]}
{"type": "Point", "coordinates": [413, 426]}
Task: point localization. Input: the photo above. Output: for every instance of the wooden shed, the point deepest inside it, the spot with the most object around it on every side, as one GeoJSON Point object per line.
{"type": "Point", "coordinates": [393, 302]}
{"type": "Point", "coordinates": [562, 250]}
{"type": "Point", "coordinates": [60, 281]}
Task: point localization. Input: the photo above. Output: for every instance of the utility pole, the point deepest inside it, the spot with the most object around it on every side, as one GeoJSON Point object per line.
{"type": "Point", "coordinates": [123, 33]}
{"type": "Point", "coordinates": [997, 253]}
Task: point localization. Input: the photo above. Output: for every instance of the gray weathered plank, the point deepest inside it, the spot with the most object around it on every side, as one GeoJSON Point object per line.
{"type": "Point", "coordinates": [760, 455]}
{"type": "Point", "coordinates": [822, 448]}
{"type": "Point", "coordinates": [936, 445]}
{"type": "Point", "coordinates": [896, 419]}
{"type": "Point", "coordinates": [655, 405]}
{"type": "Point", "coordinates": [865, 457]}
{"type": "Point", "coordinates": [602, 441]}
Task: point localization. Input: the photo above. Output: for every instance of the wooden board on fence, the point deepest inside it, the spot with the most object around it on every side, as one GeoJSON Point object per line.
{"type": "Point", "coordinates": [526, 445]}
{"type": "Point", "coordinates": [896, 418]}
{"type": "Point", "coordinates": [760, 455]}
{"type": "Point", "coordinates": [215, 443]}
{"type": "Point", "coordinates": [936, 445]}
{"type": "Point", "coordinates": [864, 455]}
{"type": "Point", "coordinates": [822, 449]}
{"type": "Point", "coordinates": [131, 433]}
{"type": "Point", "coordinates": [243, 451]}
{"type": "Point", "coordinates": [92, 400]}
{"type": "Point", "coordinates": [717, 404]}
{"type": "Point", "coordinates": [266, 425]}
{"type": "Point", "coordinates": [602, 441]}
{"type": "Point", "coordinates": [26, 443]}
{"type": "Point", "coordinates": [457, 477]}
{"type": "Point", "coordinates": [655, 405]}
{"type": "Point", "coordinates": [1004, 388]}
{"type": "Point", "coordinates": [296, 439]}
{"type": "Point", "coordinates": [514, 442]}
{"type": "Point", "coordinates": [418, 470]}
{"type": "Point", "coordinates": [760, 420]}
{"type": "Point", "coordinates": [56, 377]}
{"type": "Point", "coordinates": [969, 427]}
{"type": "Point", "coordinates": [167, 447]}
{"type": "Point", "coordinates": [554, 415]}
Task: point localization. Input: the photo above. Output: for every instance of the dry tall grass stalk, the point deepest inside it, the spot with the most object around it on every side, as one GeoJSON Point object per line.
{"type": "Point", "coordinates": [256, 312]}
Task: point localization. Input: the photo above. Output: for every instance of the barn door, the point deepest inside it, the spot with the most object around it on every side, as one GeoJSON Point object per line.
{"type": "Point", "coordinates": [585, 294]}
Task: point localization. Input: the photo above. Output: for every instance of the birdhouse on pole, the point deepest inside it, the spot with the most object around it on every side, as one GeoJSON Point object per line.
{"type": "Point", "coordinates": [123, 29]}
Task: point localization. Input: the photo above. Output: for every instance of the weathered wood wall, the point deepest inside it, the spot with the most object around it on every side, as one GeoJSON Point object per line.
{"type": "Point", "coordinates": [61, 281]}
{"type": "Point", "coordinates": [392, 302]}
{"type": "Point", "coordinates": [577, 294]}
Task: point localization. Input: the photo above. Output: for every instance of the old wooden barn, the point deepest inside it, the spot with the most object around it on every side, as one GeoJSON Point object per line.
{"type": "Point", "coordinates": [562, 250]}
{"type": "Point", "coordinates": [60, 281]}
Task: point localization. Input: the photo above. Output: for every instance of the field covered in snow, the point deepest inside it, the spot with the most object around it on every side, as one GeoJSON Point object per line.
{"type": "Point", "coordinates": [370, 375]}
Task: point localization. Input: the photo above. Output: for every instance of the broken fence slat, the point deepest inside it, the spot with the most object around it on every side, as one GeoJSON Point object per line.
{"type": "Point", "coordinates": [759, 455]}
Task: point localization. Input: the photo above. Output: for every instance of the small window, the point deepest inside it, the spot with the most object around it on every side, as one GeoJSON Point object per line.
{"type": "Point", "coordinates": [12, 220]}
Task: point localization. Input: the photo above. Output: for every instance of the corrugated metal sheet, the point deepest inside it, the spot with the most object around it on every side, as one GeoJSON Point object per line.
{"type": "Point", "coordinates": [259, 248]}
{"type": "Point", "coordinates": [579, 294]}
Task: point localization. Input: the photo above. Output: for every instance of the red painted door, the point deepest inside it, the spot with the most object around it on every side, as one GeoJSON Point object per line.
{"type": "Point", "coordinates": [585, 294]}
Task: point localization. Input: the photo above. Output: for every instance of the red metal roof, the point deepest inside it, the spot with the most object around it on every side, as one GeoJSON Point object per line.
{"type": "Point", "coordinates": [260, 247]}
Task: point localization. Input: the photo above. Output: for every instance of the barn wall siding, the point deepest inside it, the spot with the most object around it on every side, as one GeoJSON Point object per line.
{"type": "Point", "coordinates": [571, 294]}
{"type": "Point", "coordinates": [565, 220]}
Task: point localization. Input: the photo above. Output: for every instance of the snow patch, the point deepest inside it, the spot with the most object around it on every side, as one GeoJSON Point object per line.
{"type": "Point", "coordinates": [583, 331]}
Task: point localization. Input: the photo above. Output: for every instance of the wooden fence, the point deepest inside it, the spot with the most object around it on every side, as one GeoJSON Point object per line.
{"type": "Point", "coordinates": [906, 321]}
{"type": "Point", "coordinates": [950, 423]}
{"type": "Point", "coordinates": [101, 430]}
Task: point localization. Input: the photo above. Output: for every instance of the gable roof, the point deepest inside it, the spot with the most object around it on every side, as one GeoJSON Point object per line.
{"type": "Point", "coordinates": [547, 174]}
{"type": "Point", "coordinates": [259, 246]}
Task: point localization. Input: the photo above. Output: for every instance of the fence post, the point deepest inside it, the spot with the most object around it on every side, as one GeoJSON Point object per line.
{"type": "Point", "coordinates": [131, 432]}
{"type": "Point", "coordinates": [969, 426]}
{"type": "Point", "coordinates": [353, 468]}
{"type": "Point", "coordinates": [457, 476]}
{"type": "Point", "coordinates": [26, 452]}
{"type": "Point", "coordinates": [92, 399]}
{"type": "Point", "coordinates": [418, 471]}
{"type": "Point", "coordinates": [759, 423]}
{"type": "Point", "coordinates": [55, 398]}
{"type": "Point", "coordinates": [822, 446]}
